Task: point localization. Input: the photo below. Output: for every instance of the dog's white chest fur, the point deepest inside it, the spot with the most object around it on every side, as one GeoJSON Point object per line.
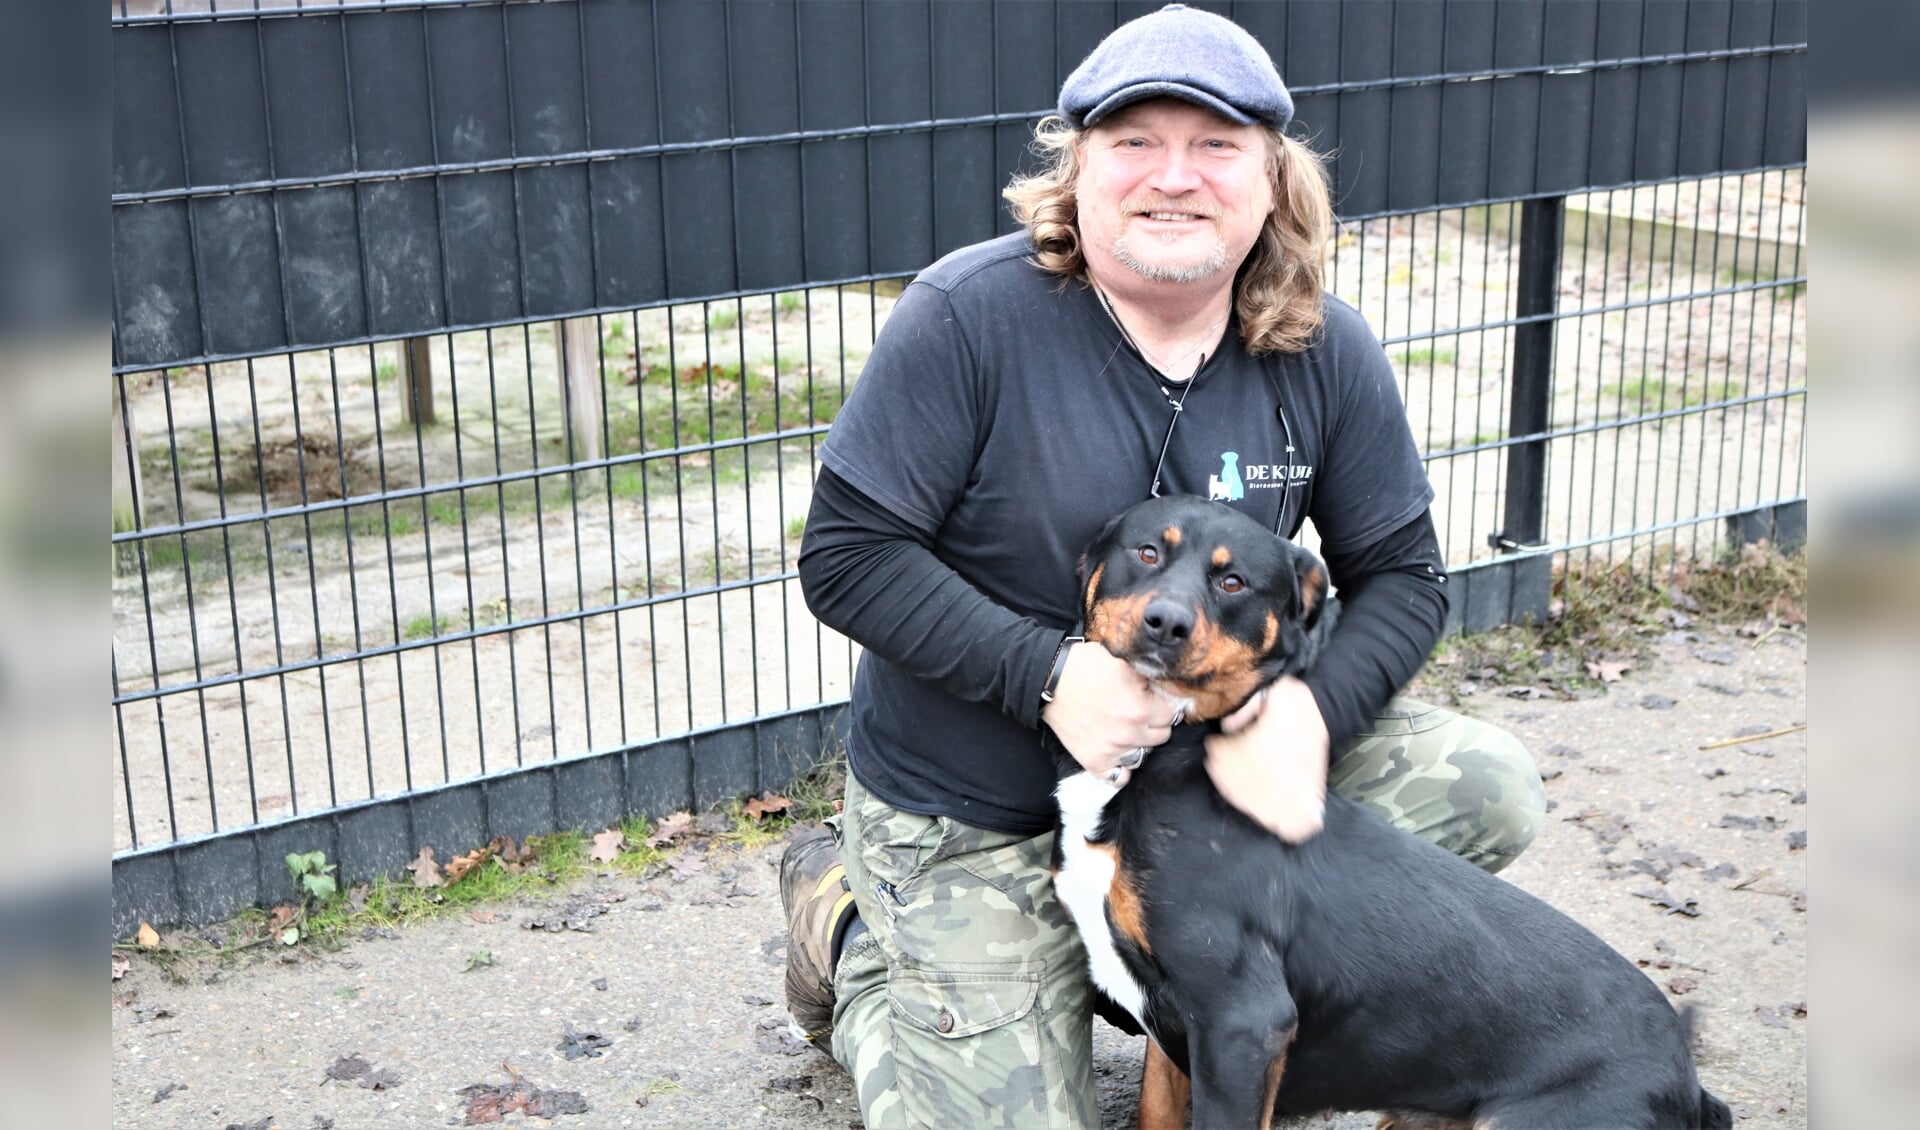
{"type": "Point", "coordinates": [1085, 878]}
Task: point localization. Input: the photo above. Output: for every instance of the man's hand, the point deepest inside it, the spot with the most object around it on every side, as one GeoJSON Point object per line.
{"type": "Point", "coordinates": [1270, 760]}
{"type": "Point", "coordinates": [1102, 710]}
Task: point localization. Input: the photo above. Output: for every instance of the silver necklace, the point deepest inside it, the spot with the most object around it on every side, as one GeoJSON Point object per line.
{"type": "Point", "coordinates": [1164, 368]}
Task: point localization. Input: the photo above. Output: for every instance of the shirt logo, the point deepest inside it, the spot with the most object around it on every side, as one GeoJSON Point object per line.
{"type": "Point", "coordinates": [1226, 486]}
{"type": "Point", "coordinates": [1233, 482]}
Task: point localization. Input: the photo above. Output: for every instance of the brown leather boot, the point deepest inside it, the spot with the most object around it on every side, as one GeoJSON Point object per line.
{"type": "Point", "coordinates": [819, 906]}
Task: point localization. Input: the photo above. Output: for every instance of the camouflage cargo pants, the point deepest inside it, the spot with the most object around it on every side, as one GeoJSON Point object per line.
{"type": "Point", "coordinates": [967, 1003]}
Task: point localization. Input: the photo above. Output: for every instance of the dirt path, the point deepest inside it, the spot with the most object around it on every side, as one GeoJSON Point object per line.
{"type": "Point", "coordinates": [682, 971]}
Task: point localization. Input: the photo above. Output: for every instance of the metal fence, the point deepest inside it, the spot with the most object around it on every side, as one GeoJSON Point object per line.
{"type": "Point", "coordinates": [471, 358]}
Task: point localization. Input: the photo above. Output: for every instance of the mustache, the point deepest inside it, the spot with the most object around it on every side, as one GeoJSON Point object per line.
{"type": "Point", "coordinates": [1157, 203]}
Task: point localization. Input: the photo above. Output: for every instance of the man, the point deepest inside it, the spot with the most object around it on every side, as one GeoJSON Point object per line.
{"type": "Point", "coordinates": [1159, 327]}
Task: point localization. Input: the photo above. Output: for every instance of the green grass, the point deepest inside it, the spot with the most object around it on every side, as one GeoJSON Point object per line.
{"type": "Point", "coordinates": [796, 526]}
{"type": "Point", "coordinates": [670, 416]}
{"type": "Point", "coordinates": [426, 627]}
{"type": "Point", "coordinates": [791, 302]}
{"type": "Point", "coordinates": [385, 372]}
{"type": "Point", "coordinates": [722, 318]}
{"type": "Point", "coordinates": [1651, 393]}
{"type": "Point", "coordinates": [1425, 355]}
{"type": "Point", "coordinates": [205, 553]}
{"type": "Point", "coordinates": [367, 521]}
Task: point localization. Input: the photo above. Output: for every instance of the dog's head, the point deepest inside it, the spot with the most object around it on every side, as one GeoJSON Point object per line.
{"type": "Point", "coordinates": [1203, 601]}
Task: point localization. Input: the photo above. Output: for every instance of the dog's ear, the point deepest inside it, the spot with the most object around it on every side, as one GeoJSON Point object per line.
{"type": "Point", "coordinates": [1097, 549]}
{"type": "Point", "coordinates": [1311, 583]}
{"type": "Point", "coordinates": [1086, 570]}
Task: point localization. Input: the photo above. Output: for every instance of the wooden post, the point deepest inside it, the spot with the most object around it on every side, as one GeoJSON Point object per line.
{"type": "Point", "coordinates": [577, 346]}
{"type": "Point", "coordinates": [417, 361]}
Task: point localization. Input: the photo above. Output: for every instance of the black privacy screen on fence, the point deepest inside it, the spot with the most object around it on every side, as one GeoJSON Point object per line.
{"type": "Point", "coordinates": [470, 361]}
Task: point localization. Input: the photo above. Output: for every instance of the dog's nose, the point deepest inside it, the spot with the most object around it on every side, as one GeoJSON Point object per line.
{"type": "Point", "coordinates": [1167, 623]}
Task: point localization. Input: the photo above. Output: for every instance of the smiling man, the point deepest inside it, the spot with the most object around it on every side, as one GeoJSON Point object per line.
{"type": "Point", "coordinates": [1158, 327]}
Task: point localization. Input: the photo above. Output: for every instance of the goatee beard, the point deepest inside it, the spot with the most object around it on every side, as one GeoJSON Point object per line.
{"type": "Point", "coordinates": [1212, 265]}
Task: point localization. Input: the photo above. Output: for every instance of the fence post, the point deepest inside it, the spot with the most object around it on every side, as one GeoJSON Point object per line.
{"type": "Point", "coordinates": [577, 345]}
{"type": "Point", "coordinates": [1524, 525]}
{"type": "Point", "coordinates": [417, 360]}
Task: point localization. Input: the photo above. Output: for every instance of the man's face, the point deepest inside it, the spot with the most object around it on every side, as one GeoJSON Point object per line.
{"type": "Point", "coordinates": [1172, 192]}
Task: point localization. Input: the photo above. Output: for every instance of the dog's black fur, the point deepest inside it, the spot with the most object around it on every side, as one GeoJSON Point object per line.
{"type": "Point", "coordinates": [1365, 969]}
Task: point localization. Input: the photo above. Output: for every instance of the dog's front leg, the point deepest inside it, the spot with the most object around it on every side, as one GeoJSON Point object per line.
{"type": "Point", "coordinates": [1164, 1091]}
{"type": "Point", "coordinates": [1237, 1061]}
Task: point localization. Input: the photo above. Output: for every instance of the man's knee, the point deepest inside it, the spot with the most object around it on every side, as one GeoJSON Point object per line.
{"type": "Point", "coordinates": [1468, 786]}
{"type": "Point", "coordinates": [1511, 806]}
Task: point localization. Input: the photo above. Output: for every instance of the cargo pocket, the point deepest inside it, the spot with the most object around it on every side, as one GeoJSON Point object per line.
{"type": "Point", "coordinates": [972, 1043]}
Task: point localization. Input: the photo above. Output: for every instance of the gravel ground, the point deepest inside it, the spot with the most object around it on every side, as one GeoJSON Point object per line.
{"type": "Point", "coordinates": [680, 972]}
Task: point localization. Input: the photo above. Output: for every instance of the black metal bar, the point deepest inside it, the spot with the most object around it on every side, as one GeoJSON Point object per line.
{"type": "Point", "coordinates": [1542, 234]}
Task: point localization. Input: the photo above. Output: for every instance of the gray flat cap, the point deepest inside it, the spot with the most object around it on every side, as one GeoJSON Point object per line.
{"type": "Point", "coordinates": [1178, 52]}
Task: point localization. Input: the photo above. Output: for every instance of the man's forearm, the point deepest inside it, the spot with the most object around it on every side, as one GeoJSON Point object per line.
{"type": "Point", "coordinates": [1390, 619]}
{"type": "Point", "coordinates": [872, 577]}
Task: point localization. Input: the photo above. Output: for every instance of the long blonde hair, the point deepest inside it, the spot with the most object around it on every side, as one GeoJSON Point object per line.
{"type": "Point", "coordinates": [1278, 293]}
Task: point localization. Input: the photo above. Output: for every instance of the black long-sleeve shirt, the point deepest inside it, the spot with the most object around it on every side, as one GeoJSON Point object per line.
{"type": "Point", "coordinates": [999, 423]}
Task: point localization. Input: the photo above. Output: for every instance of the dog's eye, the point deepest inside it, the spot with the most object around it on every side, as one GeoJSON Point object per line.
{"type": "Point", "coordinates": [1150, 555]}
{"type": "Point", "coordinates": [1231, 583]}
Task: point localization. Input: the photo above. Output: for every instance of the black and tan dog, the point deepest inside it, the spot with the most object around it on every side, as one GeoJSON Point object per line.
{"type": "Point", "coordinates": [1365, 969]}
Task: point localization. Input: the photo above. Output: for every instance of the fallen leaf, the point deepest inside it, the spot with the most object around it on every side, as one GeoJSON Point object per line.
{"type": "Point", "coordinates": [1682, 985]}
{"type": "Point", "coordinates": [1799, 900]}
{"type": "Point", "coordinates": [1720, 871]}
{"type": "Point", "coordinates": [279, 918]}
{"type": "Point", "coordinates": [166, 1092]}
{"type": "Point", "coordinates": [478, 960]}
{"type": "Point", "coordinates": [381, 1080]}
{"type": "Point", "coordinates": [1771, 1018]}
{"type": "Point", "coordinates": [685, 866]}
{"type": "Point", "coordinates": [767, 804]}
{"type": "Point", "coordinates": [504, 848]}
{"type": "Point", "coordinates": [1607, 827]}
{"type": "Point", "coordinates": [756, 1000]}
{"type": "Point", "coordinates": [1797, 1010]}
{"type": "Point", "coordinates": [426, 873]}
{"type": "Point", "coordinates": [793, 1084]}
{"type": "Point", "coordinates": [1658, 702]}
{"type": "Point", "coordinates": [121, 963]}
{"type": "Point", "coordinates": [484, 917]}
{"type": "Point", "coordinates": [348, 1067]}
{"type": "Point", "coordinates": [1796, 841]}
{"type": "Point", "coordinates": [148, 937]}
{"type": "Point", "coordinates": [575, 1044]}
{"type": "Point", "coordinates": [551, 1104]}
{"type": "Point", "coordinates": [460, 866]}
{"type": "Point", "coordinates": [1671, 903]}
{"type": "Point", "coordinates": [774, 950]}
{"type": "Point", "coordinates": [486, 1103]}
{"type": "Point", "coordinates": [607, 845]}
{"type": "Point", "coordinates": [670, 828]}
{"type": "Point", "coordinates": [772, 1036]}
{"type": "Point", "coordinates": [122, 1000]}
{"type": "Point", "coordinates": [1608, 670]}
{"type": "Point", "coordinates": [599, 983]}
{"type": "Point", "coordinates": [262, 1124]}
{"type": "Point", "coordinates": [357, 897]}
